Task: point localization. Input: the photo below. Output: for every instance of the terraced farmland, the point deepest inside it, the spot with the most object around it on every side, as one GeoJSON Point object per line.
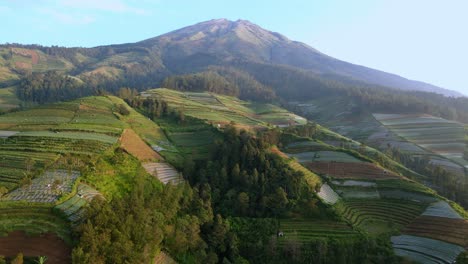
{"type": "Point", "coordinates": [46, 188]}
{"type": "Point", "coordinates": [435, 134]}
{"type": "Point", "coordinates": [380, 215]}
{"type": "Point", "coordinates": [33, 139]}
{"type": "Point", "coordinates": [14, 165]}
{"type": "Point", "coordinates": [164, 172]}
{"type": "Point", "coordinates": [32, 219]}
{"type": "Point", "coordinates": [450, 230]}
{"type": "Point", "coordinates": [73, 207]}
{"type": "Point", "coordinates": [222, 110]}
{"type": "Point", "coordinates": [323, 156]}
{"type": "Point", "coordinates": [425, 250]}
{"type": "Point", "coordinates": [441, 209]}
{"type": "Point", "coordinates": [351, 170]}
{"type": "Point", "coordinates": [304, 230]}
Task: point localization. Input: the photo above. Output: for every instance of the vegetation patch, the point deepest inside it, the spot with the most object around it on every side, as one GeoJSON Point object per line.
{"type": "Point", "coordinates": [450, 230]}
{"type": "Point", "coordinates": [385, 214]}
{"type": "Point", "coordinates": [306, 230]}
{"type": "Point", "coordinates": [425, 250]}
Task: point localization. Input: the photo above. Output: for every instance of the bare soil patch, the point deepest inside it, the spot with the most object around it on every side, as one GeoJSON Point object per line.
{"type": "Point", "coordinates": [49, 245]}
{"type": "Point", "coordinates": [133, 144]}
{"type": "Point", "coordinates": [351, 170]}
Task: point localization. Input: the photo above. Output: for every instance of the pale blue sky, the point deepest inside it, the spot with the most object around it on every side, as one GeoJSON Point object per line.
{"type": "Point", "coordinates": [426, 40]}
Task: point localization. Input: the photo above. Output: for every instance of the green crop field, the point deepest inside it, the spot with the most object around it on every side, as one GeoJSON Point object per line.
{"type": "Point", "coordinates": [380, 215]}
{"type": "Point", "coordinates": [434, 134]}
{"type": "Point", "coordinates": [304, 230]}
{"type": "Point", "coordinates": [32, 218]}
{"type": "Point", "coordinates": [324, 156]}
{"type": "Point", "coordinates": [41, 135]}
{"type": "Point", "coordinates": [218, 109]}
{"type": "Point", "coordinates": [8, 99]}
{"type": "Point", "coordinates": [425, 250]}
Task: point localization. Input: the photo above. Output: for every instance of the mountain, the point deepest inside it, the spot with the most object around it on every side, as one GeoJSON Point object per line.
{"type": "Point", "coordinates": [242, 39]}
{"type": "Point", "coordinates": [218, 42]}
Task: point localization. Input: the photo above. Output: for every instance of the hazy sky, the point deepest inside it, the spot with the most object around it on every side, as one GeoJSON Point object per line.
{"type": "Point", "coordinates": [425, 40]}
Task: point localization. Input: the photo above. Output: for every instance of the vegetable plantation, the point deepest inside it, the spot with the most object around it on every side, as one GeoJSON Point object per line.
{"type": "Point", "coordinates": [305, 230]}
{"type": "Point", "coordinates": [46, 188]}
{"type": "Point", "coordinates": [425, 250]}
{"type": "Point", "coordinates": [380, 215]}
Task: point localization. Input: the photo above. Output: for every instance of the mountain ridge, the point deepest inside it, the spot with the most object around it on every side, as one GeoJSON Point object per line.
{"type": "Point", "coordinates": [215, 42]}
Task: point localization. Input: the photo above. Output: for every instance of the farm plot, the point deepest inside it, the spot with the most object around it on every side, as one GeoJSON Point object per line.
{"type": "Point", "coordinates": [351, 183]}
{"type": "Point", "coordinates": [357, 192]}
{"type": "Point", "coordinates": [311, 178]}
{"type": "Point", "coordinates": [32, 219]}
{"type": "Point", "coordinates": [435, 134]}
{"type": "Point", "coordinates": [441, 209]}
{"type": "Point", "coordinates": [54, 145]}
{"type": "Point", "coordinates": [46, 188]}
{"type": "Point", "coordinates": [406, 195]}
{"type": "Point", "coordinates": [164, 172]}
{"type": "Point", "coordinates": [327, 194]}
{"type": "Point", "coordinates": [134, 145]}
{"type": "Point", "coordinates": [450, 230]}
{"type": "Point", "coordinates": [351, 170]}
{"type": "Point", "coordinates": [46, 115]}
{"type": "Point", "coordinates": [73, 207]}
{"type": "Point", "coordinates": [305, 230]}
{"type": "Point", "coordinates": [14, 165]}
{"type": "Point", "coordinates": [380, 215]}
{"type": "Point", "coordinates": [49, 245]}
{"type": "Point", "coordinates": [305, 146]}
{"type": "Point", "coordinates": [323, 156]}
{"type": "Point", "coordinates": [425, 250]}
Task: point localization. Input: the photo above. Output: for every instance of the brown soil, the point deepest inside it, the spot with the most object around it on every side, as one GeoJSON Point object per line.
{"type": "Point", "coordinates": [49, 245]}
{"type": "Point", "coordinates": [27, 53]}
{"type": "Point", "coordinates": [133, 144]}
{"type": "Point", "coordinates": [351, 170]}
{"type": "Point", "coordinates": [450, 230]}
